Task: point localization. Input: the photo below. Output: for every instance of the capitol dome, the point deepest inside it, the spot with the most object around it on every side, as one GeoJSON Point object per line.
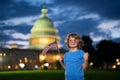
{"type": "Point", "coordinates": [43, 32]}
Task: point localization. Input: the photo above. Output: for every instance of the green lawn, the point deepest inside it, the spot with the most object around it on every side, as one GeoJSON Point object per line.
{"type": "Point", "coordinates": [56, 75]}
{"type": "Point", "coordinates": [102, 75]}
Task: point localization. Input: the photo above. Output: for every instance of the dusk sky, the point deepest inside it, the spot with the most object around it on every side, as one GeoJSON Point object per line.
{"type": "Point", "coordinates": [98, 19]}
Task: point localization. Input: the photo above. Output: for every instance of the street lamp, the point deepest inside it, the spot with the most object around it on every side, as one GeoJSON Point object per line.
{"type": "Point", "coordinates": [22, 65]}
{"type": "Point", "coordinates": [118, 61]}
{"type": "Point", "coordinates": [46, 64]}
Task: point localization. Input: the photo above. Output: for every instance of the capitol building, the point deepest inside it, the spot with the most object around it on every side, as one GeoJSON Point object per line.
{"type": "Point", "coordinates": [43, 33]}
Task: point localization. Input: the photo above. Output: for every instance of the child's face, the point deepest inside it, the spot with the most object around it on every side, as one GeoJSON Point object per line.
{"type": "Point", "coordinates": [72, 42]}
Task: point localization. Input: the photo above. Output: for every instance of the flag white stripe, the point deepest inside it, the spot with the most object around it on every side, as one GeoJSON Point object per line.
{"type": "Point", "coordinates": [52, 45]}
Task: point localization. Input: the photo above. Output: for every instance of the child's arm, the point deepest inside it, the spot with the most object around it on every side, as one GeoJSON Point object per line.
{"type": "Point", "coordinates": [61, 62]}
{"type": "Point", "coordinates": [85, 64]}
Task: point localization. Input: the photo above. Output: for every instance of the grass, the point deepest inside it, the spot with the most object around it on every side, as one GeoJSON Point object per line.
{"type": "Point", "coordinates": [102, 75]}
{"type": "Point", "coordinates": [32, 75]}
{"type": "Point", "coordinates": [56, 75]}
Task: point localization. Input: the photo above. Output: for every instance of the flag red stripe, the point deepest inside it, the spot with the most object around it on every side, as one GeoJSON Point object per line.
{"type": "Point", "coordinates": [52, 45]}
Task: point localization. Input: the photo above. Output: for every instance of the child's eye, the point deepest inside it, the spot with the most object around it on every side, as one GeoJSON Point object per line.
{"type": "Point", "coordinates": [69, 40]}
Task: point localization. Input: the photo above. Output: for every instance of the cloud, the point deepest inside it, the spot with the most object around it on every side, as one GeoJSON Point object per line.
{"type": "Point", "coordinates": [19, 43]}
{"type": "Point", "coordinates": [17, 8]}
{"type": "Point", "coordinates": [67, 13]}
{"type": "Point", "coordinates": [110, 27]}
{"type": "Point", "coordinates": [89, 16]}
{"type": "Point", "coordinates": [96, 38]}
{"type": "Point", "coordinates": [9, 32]}
{"type": "Point", "coordinates": [20, 36]}
{"type": "Point", "coordinates": [58, 23]}
{"type": "Point", "coordinates": [16, 35]}
{"type": "Point", "coordinates": [108, 9]}
{"type": "Point", "coordinates": [28, 20]}
{"type": "Point", "coordinates": [38, 2]}
{"type": "Point", "coordinates": [106, 29]}
{"type": "Point", "coordinates": [115, 33]}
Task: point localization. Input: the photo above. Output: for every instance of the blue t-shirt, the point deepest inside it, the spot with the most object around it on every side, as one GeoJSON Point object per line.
{"type": "Point", "coordinates": [73, 62]}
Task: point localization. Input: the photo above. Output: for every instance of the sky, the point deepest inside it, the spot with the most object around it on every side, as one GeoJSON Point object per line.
{"type": "Point", "coordinates": [98, 19]}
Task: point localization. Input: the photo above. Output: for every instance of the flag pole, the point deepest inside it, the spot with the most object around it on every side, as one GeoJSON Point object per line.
{"type": "Point", "coordinates": [57, 47]}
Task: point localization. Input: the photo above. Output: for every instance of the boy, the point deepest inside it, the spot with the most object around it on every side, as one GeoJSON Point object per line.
{"type": "Point", "coordinates": [75, 60]}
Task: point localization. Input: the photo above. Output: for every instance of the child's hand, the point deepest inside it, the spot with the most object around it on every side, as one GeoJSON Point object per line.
{"type": "Point", "coordinates": [86, 55]}
{"type": "Point", "coordinates": [60, 59]}
{"type": "Point", "coordinates": [85, 64]}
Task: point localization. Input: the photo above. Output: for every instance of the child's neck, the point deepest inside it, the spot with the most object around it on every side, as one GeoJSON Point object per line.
{"type": "Point", "coordinates": [73, 49]}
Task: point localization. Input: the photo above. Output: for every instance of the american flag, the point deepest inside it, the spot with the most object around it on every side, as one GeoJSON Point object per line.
{"type": "Point", "coordinates": [51, 45]}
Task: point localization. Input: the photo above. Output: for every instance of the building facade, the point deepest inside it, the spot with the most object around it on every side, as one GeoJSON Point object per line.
{"type": "Point", "coordinates": [28, 59]}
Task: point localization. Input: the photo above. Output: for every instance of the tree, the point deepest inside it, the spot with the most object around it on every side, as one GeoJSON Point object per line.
{"type": "Point", "coordinates": [106, 52]}
{"type": "Point", "coordinates": [88, 47]}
